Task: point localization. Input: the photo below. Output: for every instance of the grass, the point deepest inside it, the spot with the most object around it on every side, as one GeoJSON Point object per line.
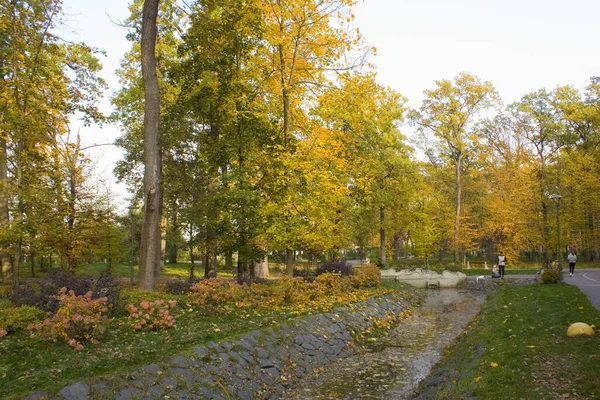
{"type": "Point", "coordinates": [518, 348]}
{"type": "Point", "coordinates": [507, 271]}
{"type": "Point", "coordinates": [31, 364]}
{"type": "Point", "coordinates": [179, 270]}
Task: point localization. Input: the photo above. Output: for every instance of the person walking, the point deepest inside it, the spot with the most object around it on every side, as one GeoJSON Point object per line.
{"type": "Point", "coordinates": [572, 258]}
{"type": "Point", "coordinates": [501, 263]}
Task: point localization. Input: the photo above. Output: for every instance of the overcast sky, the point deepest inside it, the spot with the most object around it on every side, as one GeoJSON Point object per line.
{"type": "Point", "coordinates": [520, 46]}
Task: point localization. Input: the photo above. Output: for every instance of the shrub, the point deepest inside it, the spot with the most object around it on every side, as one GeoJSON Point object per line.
{"type": "Point", "coordinates": [151, 315]}
{"type": "Point", "coordinates": [106, 286]}
{"type": "Point", "coordinates": [294, 290]}
{"type": "Point", "coordinates": [336, 266]}
{"type": "Point", "coordinates": [550, 276]}
{"type": "Point", "coordinates": [329, 284]}
{"type": "Point", "coordinates": [18, 318]}
{"type": "Point", "coordinates": [257, 295]}
{"type": "Point", "coordinates": [79, 319]}
{"type": "Point", "coordinates": [308, 274]}
{"type": "Point", "coordinates": [180, 286]}
{"type": "Point", "coordinates": [214, 292]}
{"type": "Point", "coordinates": [367, 276]}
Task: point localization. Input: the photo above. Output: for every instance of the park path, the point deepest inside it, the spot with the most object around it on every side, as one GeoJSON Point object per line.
{"type": "Point", "coordinates": [588, 281]}
{"type": "Point", "coordinates": [392, 366]}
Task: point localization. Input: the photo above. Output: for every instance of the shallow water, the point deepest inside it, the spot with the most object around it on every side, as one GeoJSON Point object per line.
{"type": "Point", "coordinates": [393, 366]}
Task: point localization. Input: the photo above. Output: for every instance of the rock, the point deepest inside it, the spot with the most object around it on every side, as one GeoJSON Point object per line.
{"type": "Point", "coordinates": [76, 391]}
{"type": "Point", "coordinates": [128, 393]}
{"type": "Point", "coordinates": [201, 351]}
{"type": "Point", "coordinates": [580, 329]}
{"type": "Point", "coordinates": [152, 368]}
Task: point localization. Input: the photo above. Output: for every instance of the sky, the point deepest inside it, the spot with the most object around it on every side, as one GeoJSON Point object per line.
{"type": "Point", "coordinates": [520, 46]}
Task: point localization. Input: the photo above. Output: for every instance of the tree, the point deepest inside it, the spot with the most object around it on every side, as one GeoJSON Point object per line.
{"type": "Point", "coordinates": [43, 81]}
{"type": "Point", "coordinates": [536, 122]}
{"type": "Point", "coordinates": [448, 114]}
{"type": "Point", "coordinates": [305, 39]}
{"type": "Point", "coordinates": [150, 247]}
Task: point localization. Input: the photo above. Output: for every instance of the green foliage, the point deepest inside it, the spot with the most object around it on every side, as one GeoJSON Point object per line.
{"type": "Point", "coordinates": [14, 319]}
{"type": "Point", "coordinates": [549, 276]}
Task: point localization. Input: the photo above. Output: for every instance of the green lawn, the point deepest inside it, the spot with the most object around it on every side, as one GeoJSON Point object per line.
{"type": "Point", "coordinates": [518, 349]}
{"type": "Point", "coordinates": [180, 270]}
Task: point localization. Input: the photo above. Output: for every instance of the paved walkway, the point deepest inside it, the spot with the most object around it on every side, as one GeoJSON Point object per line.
{"type": "Point", "coordinates": [588, 280]}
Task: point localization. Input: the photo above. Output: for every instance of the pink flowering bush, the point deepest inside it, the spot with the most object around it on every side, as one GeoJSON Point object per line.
{"type": "Point", "coordinates": [151, 315]}
{"type": "Point", "coordinates": [79, 319]}
{"type": "Point", "coordinates": [3, 332]}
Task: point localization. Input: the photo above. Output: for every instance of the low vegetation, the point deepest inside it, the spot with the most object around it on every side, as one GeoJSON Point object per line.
{"type": "Point", "coordinates": [518, 349]}
{"type": "Point", "coordinates": [84, 339]}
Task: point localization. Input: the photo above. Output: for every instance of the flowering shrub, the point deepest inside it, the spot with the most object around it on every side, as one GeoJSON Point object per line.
{"type": "Point", "coordinates": [213, 292]}
{"type": "Point", "coordinates": [151, 315]}
{"type": "Point", "coordinates": [79, 319]}
{"type": "Point", "coordinates": [367, 276]}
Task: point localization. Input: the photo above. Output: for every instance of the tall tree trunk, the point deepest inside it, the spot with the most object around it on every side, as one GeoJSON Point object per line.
{"type": "Point", "coordinates": [382, 255]}
{"type": "Point", "coordinates": [252, 269]}
{"type": "Point", "coordinates": [458, 165]}
{"type": "Point", "coordinates": [32, 265]}
{"type": "Point", "coordinates": [174, 228]}
{"type": "Point", "coordinates": [150, 246]}
{"type": "Point", "coordinates": [4, 212]}
{"type": "Point", "coordinates": [213, 190]}
{"type": "Point", "coordinates": [163, 242]}
{"type": "Point", "coordinates": [205, 262]}
{"type": "Point", "coordinates": [262, 270]}
{"type": "Point", "coordinates": [229, 260]}
{"type": "Point", "coordinates": [396, 246]}
{"type": "Point", "coordinates": [289, 262]}
{"type": "Point", "coordinates": [192, 265]}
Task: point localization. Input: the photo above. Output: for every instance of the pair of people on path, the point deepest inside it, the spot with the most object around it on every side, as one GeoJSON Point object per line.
{"type": "Point", "coordinates": [572, 258]}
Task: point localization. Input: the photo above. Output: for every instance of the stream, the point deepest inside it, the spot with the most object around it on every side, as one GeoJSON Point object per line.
{"type": "Point", "coordinates": [393, 365]}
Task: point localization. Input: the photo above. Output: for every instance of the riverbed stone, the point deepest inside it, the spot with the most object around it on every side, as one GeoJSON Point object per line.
{"type": "Point", "coordinates": [76, 391]}
{"type": "Point", "coordinates": [128, 393]}
{"type": "Point", "coordinates": [152, 368]}
{"type": "Point", "coordinates": [201, 351]}
{"type": "Point", "coordinates": [180, 361]}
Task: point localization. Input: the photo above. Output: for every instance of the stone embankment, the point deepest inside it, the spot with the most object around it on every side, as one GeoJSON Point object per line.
{"type": "Point", "coordinates": [260, 364]}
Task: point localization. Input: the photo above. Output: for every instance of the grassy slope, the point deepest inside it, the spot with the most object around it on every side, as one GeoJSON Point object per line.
{"type": "Point", "coordinates": [518, 348]}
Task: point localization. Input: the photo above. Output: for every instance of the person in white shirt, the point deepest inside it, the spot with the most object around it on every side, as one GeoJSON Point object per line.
{"type": "Point", "coordinates": [501, 263]}
{"type": "Point", "coordinates": [572, 258]}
